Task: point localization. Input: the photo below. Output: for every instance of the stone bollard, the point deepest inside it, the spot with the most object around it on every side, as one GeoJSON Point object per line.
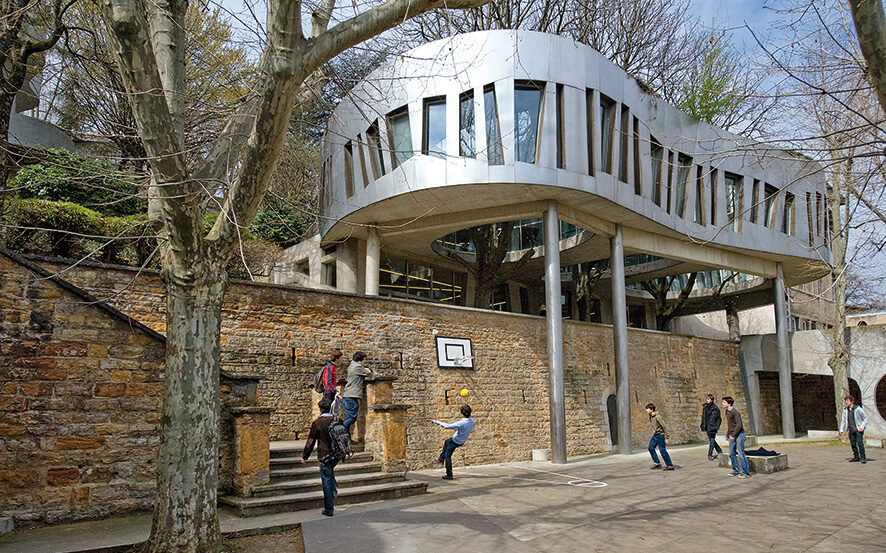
{"type": "Point", "coordinates": [384, 424]}
{"type": "Point", "coordinates": [252, 448]}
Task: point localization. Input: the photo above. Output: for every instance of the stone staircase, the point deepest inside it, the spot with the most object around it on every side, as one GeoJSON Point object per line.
{"type": "Point", "coordinates": [294, 487]}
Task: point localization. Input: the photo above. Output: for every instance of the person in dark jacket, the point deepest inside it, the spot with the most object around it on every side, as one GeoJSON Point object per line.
{"type": "Point", "coordinates": [736, 435]}
{"type": "Point", "coordinates": [710, 423]}
{"type": "Point", "coordinates": [319, 435]}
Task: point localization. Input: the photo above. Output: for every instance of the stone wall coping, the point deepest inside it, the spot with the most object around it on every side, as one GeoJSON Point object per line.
{"type": "Point", "coordinates": [291, 287]}
{"type": "Point", "coordinates": [389, 406]}
{"type": "Point", "coordinates": [380, 378]}
{"type": "Point", "coordinates": [251, 410]}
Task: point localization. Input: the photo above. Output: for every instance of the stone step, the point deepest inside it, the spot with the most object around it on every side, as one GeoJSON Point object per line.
{"type": "Point", "coordinates": [295, 449]}
{"type": "Point", "coordinates": [303, 472]}
{"type": "Point", "coordinates": [255, 506]}
{"type": "Point", "coordinates": [286, 487]}
{"type": "Point", "coordinates": [293, 462]}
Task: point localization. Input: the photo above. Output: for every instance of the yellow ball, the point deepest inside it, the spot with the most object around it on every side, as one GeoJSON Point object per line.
{"type": "Point", "coordinates": [464, 392]}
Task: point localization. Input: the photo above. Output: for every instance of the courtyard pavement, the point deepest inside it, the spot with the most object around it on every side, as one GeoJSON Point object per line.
{"type": "Point", "coordinates": [598, 504]}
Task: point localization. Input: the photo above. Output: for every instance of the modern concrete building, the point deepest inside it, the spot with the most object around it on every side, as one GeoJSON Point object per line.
{"type": "Point", "coordinates": [500, 126]}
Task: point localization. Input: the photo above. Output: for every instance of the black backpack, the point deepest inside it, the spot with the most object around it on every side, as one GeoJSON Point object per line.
{"type": "Point", "coordinates": [340, 441]}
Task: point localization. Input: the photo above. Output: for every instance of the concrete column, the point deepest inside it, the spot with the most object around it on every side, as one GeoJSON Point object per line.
{"type": "Point", "coordinates": [555, 334]}
{"type": "Point", "coordinates": [620, 341]}
{"type": "Point", "coordinates": [784, 356]}
{"type": "Point", "coordinates": [373, 254]}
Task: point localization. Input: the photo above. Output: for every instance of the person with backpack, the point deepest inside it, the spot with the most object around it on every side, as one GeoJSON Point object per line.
{"type": "Point", "coordinates": [326, 432]}
{"type": "Point", "coordinates": [710, 423]}
{"type": "Point", "coordinates": [462, 429]}
{"type": "Point", "coordinates": [353, 390]}
{"type": "Point", "coordinates": [324, 381]}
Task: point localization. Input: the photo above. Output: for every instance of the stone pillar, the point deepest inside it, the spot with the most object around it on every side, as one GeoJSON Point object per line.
{"type": "Point", "coordinates": [373, 256]}
{"type": "Point", "coordinates": [620, 341]}
{"type": "Point", "coordinates": [784, 356]}
{"type": "Point", "coordinates": [252, 443]}
{"type": "Point", "coordinates": [385, 424]}
{"type": "Point", "coordinates": [555, 334]}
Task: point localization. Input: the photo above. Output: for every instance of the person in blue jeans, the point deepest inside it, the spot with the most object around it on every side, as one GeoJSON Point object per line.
{"type": "Point", "coordinates": [659, 439]}
{"type": "Point", "coordinates": [710, 423]}
{"type": "Point", "coordinates": [736, 435]}
{"type": "Point", "coordinates": [462, 429]}
{"type": "Point", "coordinates": [353, 390]}
{"type": "Point", "coordinates": [319, 435]}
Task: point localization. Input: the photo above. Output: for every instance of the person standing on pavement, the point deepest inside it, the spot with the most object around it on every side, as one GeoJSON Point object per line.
{"type": "Point", "coordinates": [736, 436]}
{"type": "Point", "coordinates": [710, 423]}
{"type": "Point", "coordinates": [319, 435]}
{"type": "Point", "coordinates": [659, 439]}
{"type": "Point", "coordinates": [854, 419]}
{"type": "Point", "coordinates": [462, 429]}
{"type": "Point", "coordinates": [354, 388]}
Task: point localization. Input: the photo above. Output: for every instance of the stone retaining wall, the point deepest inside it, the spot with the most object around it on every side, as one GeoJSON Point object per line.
{"type": "Point", "coordinates": [281, 334]}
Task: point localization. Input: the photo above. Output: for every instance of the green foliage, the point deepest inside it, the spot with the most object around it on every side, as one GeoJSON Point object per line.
{"type": "Point", "coordinates": [280, 223]}
{"type": "Point", "coordinates": [73, 177]}
{"type": "Point", "coordinates": [712, 94]}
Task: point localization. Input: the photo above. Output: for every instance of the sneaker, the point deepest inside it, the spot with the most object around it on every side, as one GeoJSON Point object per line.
{"type": "Point", "coordinates": [863, 461]}
{"type": "Point", "coordinates": [732, 474]}
{"type": "Point", "coordinates": [710, 457]}
{"type": "Point", "coordinates": [326, 513]}
{"type": "Point", "coordinates": [743, 476]}
{"type": "Point", "coordinates": [655, 466]}
{"type": "Point", "coordinates": [854, 460]}
{"type": "Point", "coordinates": [670, 467]}
{"type": "Point", "coordinates": [447, 477]}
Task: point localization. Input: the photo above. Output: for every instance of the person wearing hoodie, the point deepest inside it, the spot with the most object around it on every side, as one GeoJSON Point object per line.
{"type": "Point", "coordinates": [659, 439]}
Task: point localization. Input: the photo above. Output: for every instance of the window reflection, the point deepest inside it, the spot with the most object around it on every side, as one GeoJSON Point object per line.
{"type": "Point", "coordinates": [657, 153]}
{"type": "Point", "coordinates": [493, 131]}
{"type": "Point", "coordinates": [434, 143]}
{"type": "Point", "coordinates": [467, 142]}
{"type": "Point", "coordinates": [376, 159]}
{"type": "Point", "coordinates": [400, 136]}
{"type": "Point", "coordinates": [733, 201]}
{"type": "Point", "coordinates": [607, 128]}
{"type": "Point", "coordinates": [684, 164]}
{"type": "Point", "coordinates": [527, 106]}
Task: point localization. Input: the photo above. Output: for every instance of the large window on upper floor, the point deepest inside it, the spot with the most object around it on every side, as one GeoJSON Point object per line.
{"type": "Point", "coordinates": [528, 101]}
{"type": "Point", "coordinates": [349, 169]}
{"type": "Point", "coordinates": [589, 126]}
{"type": "Point", "coordinates": [755, 200]}
{"type": "Point", "coordinates": [684, 170]}
{"type": "Point", "coordinates": [561, 128]}
{"type": "Point", "coordinates": [467, 132]}
{"type": "Point", "coordinates": [638, 173]}
{"type": "Point", "coordinates": [810, 208]}
{"type": "Point", "coordinates": [434, 135]}
{"type": "Point", "coordinates": [376, 159]}
{"type": "Point", "coordinates": [657, 154]}
{"type": "Point", "coordinates": [699, 196]}
{"type": "Point", "coordinates": [715, 189]}
{"type": "Point", "coordinates": [770, 204]}
{"type": "Point", "coordinates": [733, 200]}
{"type": "Point", "coordinates": [607, 130]}
{"type": "Point", "coordinates": [400, 136]}
{"type": "Point", "coordinates": [493, 130]}
{"type": "Point", "coordinates": [623, 159]}
{"type": "Point", "coordinates": [819, 212]}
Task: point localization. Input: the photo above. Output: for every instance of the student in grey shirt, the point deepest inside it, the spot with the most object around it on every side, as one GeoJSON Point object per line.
{"type": "Point", "coordinates": [353, 390]}
{"type": "Point", "coordinates": [462, 429]}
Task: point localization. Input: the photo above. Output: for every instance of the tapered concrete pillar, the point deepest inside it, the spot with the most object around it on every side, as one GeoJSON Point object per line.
{"type": "Point", "coordinates": [784, 356]}
{"type": "Point", "coordinates": [373, 254]}
{"type": "Point", "coordinates": [620, 341]}
{"type": "Point", "coordinates": [555, 334]}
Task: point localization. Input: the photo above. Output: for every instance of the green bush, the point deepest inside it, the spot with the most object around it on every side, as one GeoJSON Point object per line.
{"type": "Point", "coordinates": [73, 177]}
{"type": "Point", "coordinates": [279, 223]}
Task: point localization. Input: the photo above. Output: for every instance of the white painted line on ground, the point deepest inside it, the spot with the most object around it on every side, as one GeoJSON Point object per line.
{"type": "Point", "coordinates": [573, 481]}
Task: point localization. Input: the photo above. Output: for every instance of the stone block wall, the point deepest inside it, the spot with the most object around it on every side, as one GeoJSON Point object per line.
{"type": "Point", "coordinates": [282, 334]}
{"type": "Point", "coordinates": [80, 395]}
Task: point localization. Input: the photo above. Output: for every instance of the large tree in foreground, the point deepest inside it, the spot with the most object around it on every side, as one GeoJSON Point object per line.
{"type": "Point", "coordinates": [148, 40]}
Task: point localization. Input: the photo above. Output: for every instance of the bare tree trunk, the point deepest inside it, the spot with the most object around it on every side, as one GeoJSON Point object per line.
{"type": "Point", "coordinates": [185, 518]}
{"type": "Point", "coordinates": [839, 361]}
{"type": "Point", "coordinates": [870, 26]}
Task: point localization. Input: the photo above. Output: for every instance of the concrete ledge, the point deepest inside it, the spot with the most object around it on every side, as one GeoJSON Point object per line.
{"type": "Point", "coordinates": [7, 524]}
{"type": "Point", "coordinates": [760, 465]}
{"type": "Point", "coordinates": [873, 442]}
{"type": "Point", "coordinates": [822, 434]}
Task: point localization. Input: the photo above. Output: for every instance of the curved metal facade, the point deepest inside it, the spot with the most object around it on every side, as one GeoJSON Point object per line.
{"type": "Point", "coordinates": [402, 154]}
